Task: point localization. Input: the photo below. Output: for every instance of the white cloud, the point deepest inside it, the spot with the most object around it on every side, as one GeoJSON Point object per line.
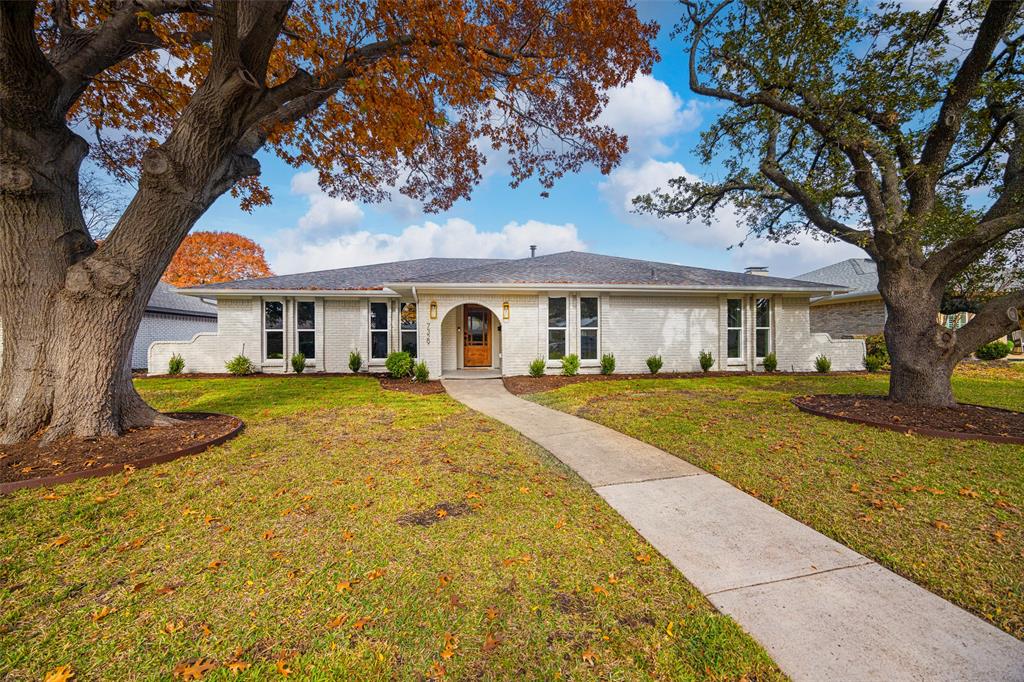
{"type": "Point", "coordinates": [325, 212]}
{"type": "Point", "coordinates": [454, 238]}
{"type": "Point", "coordinates": [725, 230]}
{"type": "Point", "coordinates": [646, 110]}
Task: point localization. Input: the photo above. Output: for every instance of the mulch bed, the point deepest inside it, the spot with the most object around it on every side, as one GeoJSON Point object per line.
{"type": "Point", "coordinates": [520, 385]}
{"type": "Point", "coordinates": [967, 422]}
{"type": "Point", "coordinates": [410, 386]}
{"type": "Point", "coordinates": [34, 464]}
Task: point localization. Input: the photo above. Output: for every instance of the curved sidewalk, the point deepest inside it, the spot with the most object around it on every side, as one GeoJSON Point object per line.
{"type": "Point", "coordinates": [821, 610]}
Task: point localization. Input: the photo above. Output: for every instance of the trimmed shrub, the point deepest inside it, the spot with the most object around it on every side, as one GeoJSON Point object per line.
{"type": "Point", "coordinates": [570, 365]}
{"type": "Point", "coordinates": [872, 363]}
{"type": "Point", "coordinates": [654, 364]}
{"type": "Point", "coordinates": [771, 363]}
{"type": "Point", "coordinates": [176, 364]}
{"type": "Point", "coordinates": [299, 363]}
{"type": "Point", "coordinates": [823, 364]}
{"type": "Point", "coordinates": [355, 361]}
{"type": "Point", "coordinates": [421, 372]}
{"type": "Point", "coordinates": [240, 365]}
{"type": "Point", "coordinates": [399, 364]}
{"type": "Point", "coordinates": [875, 345]}
{"type": "Point", "coordinates": [996, 350]}
{"type": "Point", "coordinates": [537, 367]}
{"type": "Point", "coordinates": [607, 363]}
{"type": "Point", "coordinates": [706, 359]}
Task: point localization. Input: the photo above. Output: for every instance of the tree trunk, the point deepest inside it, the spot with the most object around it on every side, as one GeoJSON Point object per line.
{"type": "Point", "coordinates": [922, 352]}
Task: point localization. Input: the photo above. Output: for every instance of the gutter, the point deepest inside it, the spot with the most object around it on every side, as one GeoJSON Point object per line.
{"type": "Point", "coordinates": [637, 288]}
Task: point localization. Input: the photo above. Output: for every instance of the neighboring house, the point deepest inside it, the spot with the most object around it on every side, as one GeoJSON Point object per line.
{"type": "Point", "coordinates": [500, 315]}
{"type": "Point", "coordinates": [168, 316]}
{"type": "Point", "coordinates": [859, 311]}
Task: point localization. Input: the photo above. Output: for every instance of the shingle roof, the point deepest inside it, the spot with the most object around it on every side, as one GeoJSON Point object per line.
{"type": "Point", "coordinates": [859, 275]}
{"type": "Point", "coordinates": [359, 277]}
{"type": "Point", "coordinates": [569, 267]}
{"type": "Point", "coordinates": [165, 300]}
{"type": "Point", "coordinates": [575, 267]}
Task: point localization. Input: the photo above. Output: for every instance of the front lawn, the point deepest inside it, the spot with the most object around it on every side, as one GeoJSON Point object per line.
{"type": "Point", "coordinates": [348, 533]}
{"type": "Point", "coordinates": [944, 513]}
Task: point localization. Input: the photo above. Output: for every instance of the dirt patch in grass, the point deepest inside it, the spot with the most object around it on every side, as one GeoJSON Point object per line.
{"type": "Point", "coordinates": [439, 512]}
{"type": "Point", "coordinates": [963, 421]}
{"type": "Point", "coordinates": [35, 459]}
{"type": "Point", "coordinates": [522, 385]}
{"type": "Point", "coordinates": [410, 386]}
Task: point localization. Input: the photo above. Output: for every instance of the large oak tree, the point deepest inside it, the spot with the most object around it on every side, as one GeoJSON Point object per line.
{"type": "Point", "coordinates": [177, 96]}
{"type": "Point", "coordinates": [901, 132]}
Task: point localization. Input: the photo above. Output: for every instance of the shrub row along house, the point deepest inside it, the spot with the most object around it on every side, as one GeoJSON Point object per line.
{"type": "Point", "coordinates": [458, 314]}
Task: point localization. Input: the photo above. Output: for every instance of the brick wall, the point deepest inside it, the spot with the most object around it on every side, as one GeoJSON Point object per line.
{"type": "Point", "coordinates": [166, 327]}
{"type": "Point", "coordinates": [856, 318]}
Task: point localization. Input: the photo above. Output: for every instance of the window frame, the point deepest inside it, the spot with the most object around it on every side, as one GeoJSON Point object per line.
{"type": "Point", "coordinates": [299, 331]}
{"type": "Point", "coordinates": [770, 345]}
{"type": "Point", "coordinates": [371, 331]}
{"type": "Point", "coordinates": [277, 330]}
{"type": "Point", "coordinates": [414, 331]}
{"type": "Point", "coordinates": [739, 359]}
{"type": "Point", "coordinates": [564, 329]}
{"type": "Point", "coordinates": [596, 328]}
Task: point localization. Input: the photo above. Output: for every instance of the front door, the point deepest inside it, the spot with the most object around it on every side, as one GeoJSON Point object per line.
{"type": "Point", "coordinates": [476, 336]}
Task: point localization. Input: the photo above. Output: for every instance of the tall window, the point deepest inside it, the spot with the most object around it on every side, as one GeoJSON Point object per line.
{"type": "Point", "coordinates": [378, 330]}
{"type": "Point", "coordinates": [588, 328]}
{"type": "Point", "coordinates": [305, 323]}
{"type": "Point", "coordinates": [273, 329]}
{"type": "Point", "coordinates": [734, 323]}
{"type": "Point", "coordinates": [408, 317]}
{"type": "Point", "coordinates": [556, 328]}
{"type": "Point", "coordinates": [763, 328]}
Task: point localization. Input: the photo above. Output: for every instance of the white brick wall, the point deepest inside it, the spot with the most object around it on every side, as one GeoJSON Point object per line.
{"type": "Point", "coordinates": [632, 327]}
{"type": "Point", "coordinates": [166, 327]}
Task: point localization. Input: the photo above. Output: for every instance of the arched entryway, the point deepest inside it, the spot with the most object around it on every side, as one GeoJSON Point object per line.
{"type": "Point", "coordinates": [471, 340]}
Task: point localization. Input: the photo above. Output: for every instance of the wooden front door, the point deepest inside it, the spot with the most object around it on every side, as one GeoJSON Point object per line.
{"type": "Point", "coordinates": [476, 336]}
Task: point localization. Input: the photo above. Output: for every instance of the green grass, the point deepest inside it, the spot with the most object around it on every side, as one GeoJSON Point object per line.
{"type": "Point", "coordinates": [944, 513]}
{"type": "Point", "coordinates": [309, 496]}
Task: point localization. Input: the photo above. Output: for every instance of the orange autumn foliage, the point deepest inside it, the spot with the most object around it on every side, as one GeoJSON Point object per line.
{"type": "Point", "coordinates": [208, 257]}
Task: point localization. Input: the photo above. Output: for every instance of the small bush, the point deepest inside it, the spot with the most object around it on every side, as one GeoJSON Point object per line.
{"type": "Point", "coordinates": [571, 365]}
{"type": "Point", "coordinates": [706, 359]}
{"type": "Point", "coordinates": [872, 363]}
{"type": "Point", "coordinates": [240, 365]}
{"type": "Point", "coordinates": [537, 367]}
{"type": "Point", "coordinates": [399, 364]}
{"type": "Point", "coordinates": [176, 364]}
{"type": "Point", "coordinates": [996, 350]}
{"type": "Point", "coordinates": [823, 364]}
{"type": "Point", "coordinates": [421, 372]}
{"type": "Point", "coordinates": [875, 345]}
{"type": "Point", "coordinates": [299, 363]}
{"type": "Point", "coordinates": [607, 363]}
{"type": "Point", "coordinates": [654, 364]}
{"type": "Point", "coordinates": [355, 361]}
{"type": "Point", "coordinates": [771, 363]}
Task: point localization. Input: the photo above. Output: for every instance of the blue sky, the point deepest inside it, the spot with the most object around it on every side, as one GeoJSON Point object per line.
{"type": "Point", "coordinates": [306, 230]}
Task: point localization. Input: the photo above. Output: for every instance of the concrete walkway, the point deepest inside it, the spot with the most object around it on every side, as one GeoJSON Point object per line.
{"type": "Point", "coordinates": [821, 610]}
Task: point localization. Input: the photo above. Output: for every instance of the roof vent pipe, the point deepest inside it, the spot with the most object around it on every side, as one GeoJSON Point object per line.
{"type": "Point", "coordinates": [756, 270]}
{"type": "Point", "coordinates": [533, 250]}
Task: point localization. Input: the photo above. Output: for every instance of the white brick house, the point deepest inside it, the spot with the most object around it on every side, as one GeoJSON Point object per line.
{"type": "Point", "coordinates": [499, 315]}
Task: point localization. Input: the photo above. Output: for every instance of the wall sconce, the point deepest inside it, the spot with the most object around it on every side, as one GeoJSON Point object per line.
{"type": "Point", "coordinates": [505, 311]}
{"type": "Point", "coordinates": [433, 310]}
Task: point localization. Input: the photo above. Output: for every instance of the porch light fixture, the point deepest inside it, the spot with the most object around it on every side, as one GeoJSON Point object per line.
{"type": "Point", "coordinates": [433, 310]}
{"type": "Point", "coordinates": [505, 311]}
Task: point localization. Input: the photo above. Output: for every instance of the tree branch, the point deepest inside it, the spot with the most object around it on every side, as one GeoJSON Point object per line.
{"type": "Point", "coordinates": [990, 323]}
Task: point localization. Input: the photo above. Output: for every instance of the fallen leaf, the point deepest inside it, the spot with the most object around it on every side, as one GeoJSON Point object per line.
{"type": "Point", "coordinates": [60, 541]}
{"type": "Point", "coordinates": [282, 667]}
{"type": "Point", "coordinates": [269, 535]}
{"type": "Point", "coordinates": [491, 642]}
{"type": "Point", "coordinates": [337, 621]}
{"type": "Point", "coordinates": [559, 523]}
{"type": "Point", "coordinates": [345, 585]}
{"type": "Point", "coordinates": [491, 612]}
{"type": "Point", "coordinates": [941, 525]}
{"type": "Point", "coordinates": [361, 623]}
{"type": "Point", "coordinates": [599, 589]}
{"type": "Point", "coordinates": [441, 513]}
{"type": "Point", "coordinates": [437, 671]}
{"type": "Point", "coordinates": [998, 536]}
{"type": "Point", "coordinates": [967, 492]}
{"type": "Point", "coordinates": [589, 656]}
{"type": "Point", "coordinates": [643, 558]}
{"type": "Point", "coordinates": [237, 666]}
{"type": "Point", "coordinates": [170, 627]}
{"type": "Point", "coordinates": [101, 614]}
{"type": "Point", "coordinates": [194, 670]}
{"type": "Point", "coordinates": [54, 496]}
{"type": "Point", "coordinates": [60, 674]}
{"type": "Point", "coordinates": [854, 488]}
{"type": "Point", "coordinates": [215, 565]}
